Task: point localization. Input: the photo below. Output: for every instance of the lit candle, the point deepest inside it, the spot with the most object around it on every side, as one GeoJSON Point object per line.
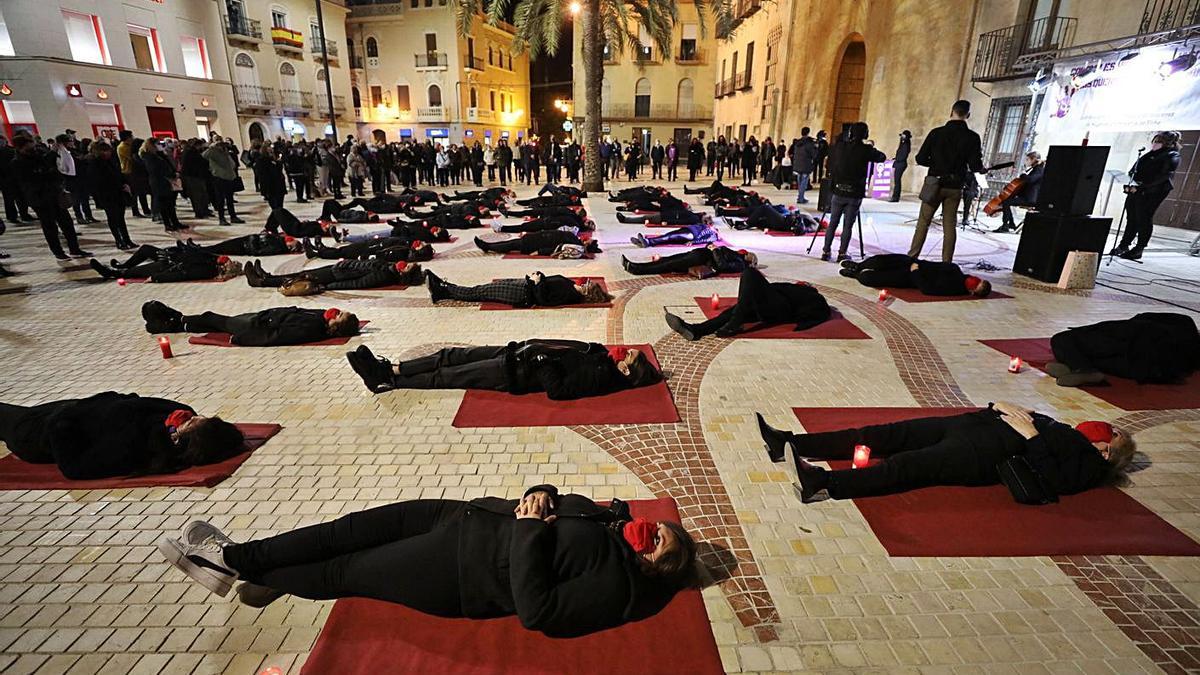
{"type": "Point", "coordinates": [121, 281]}
{"type": "Point", "coordinates": [884, 295]}
{"type": "Point", "coordinates": [862, 455]}
{"type": "Point", "coordinates": [1014, 364]}
{"type": "Point", "coordinates": [654, 258]}
{"type": "Point", "coordinates": [716, 301]}
{"type": "Point", "coordinates": [271, 670]}
{"type": "Point", "coordinates": [164, 343]}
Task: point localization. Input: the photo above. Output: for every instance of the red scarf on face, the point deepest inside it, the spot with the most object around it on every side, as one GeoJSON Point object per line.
{"type": "Point", "coordinates": [1096, 432]}
{"type": "Point", "coordinates": [618, 354]}
{"type": "Point", "coordinates": [971, 283]}
{"type": "Point", "coordinates": [401, 266]}
{"type": "Point", "coordinates": [177, 418]}
{"type": "Point", "coordinates": [639, 534]}
{"type": "Point", "coordinates": [331, 313]}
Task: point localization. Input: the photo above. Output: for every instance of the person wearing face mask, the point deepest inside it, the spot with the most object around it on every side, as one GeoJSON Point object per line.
{"type": "Point", "coordinates": [563, 369]}
{"type": "Point", "coordinates": [1151, 183]}
{"type": "Point", "coordinates": [572, 567]}
{"type": "Point", "coordinates": [534, 290]}
{"type": "Point", "coordinates": [275, 327]}
{"type": "Point", "coordinates": [965, 450]}
{"type": "Point", "coordinates": [110, 434]}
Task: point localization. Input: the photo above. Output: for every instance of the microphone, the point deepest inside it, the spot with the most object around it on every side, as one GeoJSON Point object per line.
{"type": "Point", "coordinates": [1142, 149]}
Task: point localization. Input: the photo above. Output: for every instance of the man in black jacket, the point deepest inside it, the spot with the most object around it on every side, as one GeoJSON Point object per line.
{"type": "Point", "coordinates": [760, 301]}
{"type": "Point", "coordinates": [964, 449]}
{"type": "Point", "coordinates": [544, 243]}
{"type": "Point", "coordinates": [563, 369]}
{"type": "Point", "coordinates": [260, 244]}
{"type": "Point", "coordinates": [1027, 194]}
{"type": "Point", "coordinates": [1150, 348]}
{"type": "Point", "coordinates": [110, 434]}
{"type": "Point", "coordinates": [275, 327]}
{"type": "Point", "coordinates": [900, 163]}
{"type": "Point", "coordinates": [392, 249]}
{"type": "Point", "coordinates": [35, 169]}
{"type": "Point", "coordinates": [707, 261]}
{"type": "Point", "coordinates": [804, 161]}
{"type": "Point", "coordinates": [535, 290]}
{"type": "Point", "coordinates": [849, 162]}
{"type": "Point", "coordinates": [896, 270]}
{"type": "Point", "coordinates": [952, 152]}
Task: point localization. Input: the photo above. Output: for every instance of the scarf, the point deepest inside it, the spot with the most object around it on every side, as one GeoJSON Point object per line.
{"type": "Point", "coordinates": [618, 354]}
{"type": "Point", "coordinates": [639, 534]}
{"type": "Point", "coordinates": [1096, 432]}
{"type": "Point", "coordinates": [177, 418]}
{"type": "Point", "coordinates": [332, 313]}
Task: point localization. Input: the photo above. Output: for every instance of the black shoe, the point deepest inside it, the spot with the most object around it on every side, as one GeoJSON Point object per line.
{"type": "Point", "coordinates": [1005, 229]}
{"type": "Point", "coordinates": [849, 264]}
{"type": "Point", "coordinates": [1132, 254]}
{"type": "Point", "coordinates": [482, 245]}
{"type": "Point", "coordinates": [310, 251]}
{"type": "Point", "coordinates": [825, 256]}
{"type": "Point", "coordinates": [775, 439]}
{"type": "Point", "coordinates": [848, 273]}
{"type": "Point", "coordinates": [621, 218]}
{"type": "Point", "coordinates": [253, 277]}
{"type": "Point", "coordinates": [682, 327]}
{"type": "Point", "coordinates": [376, 373]}
{"type": "Point", "coordinates": [62, 257]}
{"type": "Point", "coordinates": [236, 221]}
{"type": "Point", "coordinates": [257, 596]}
{"type": "Point", "coordinates": [161, 318]}
{"type": "Point", "coordinates": [1120, 250]}
{"type": "Point", "coordinates": [844, 258]}
{"type": "Point", "coordinates": [96, 265]}
{"type": "Point", "coordinates": [80, 253]}
{"type": "Point", "coordinates": [814, 482]}
{"type": "Point", "coordinates": [128, 246]}
{"type": "Point", "coordinates": [638, 241]}
{"type": "Point", "coordinates": [625, 263]}
{"type": "Point", "coordinates": [436, 290]}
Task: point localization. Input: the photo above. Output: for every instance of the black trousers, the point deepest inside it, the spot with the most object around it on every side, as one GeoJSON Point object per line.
{"type": "Point", "coordinates": [223, 197]}
{"type": "Point", "coordinates": [14, 203]}
{"type": "Point", "coordinates": [677, 264]}
{"type": "Point", "coordinates": [115, 215]}
{"type": "Point", "coordinates": [166, 209]}
{"type": "Point", "coordinates": [898, 170]}
{"type": "Point", "coordinates": [1139, 211]}
{"type": "Point", "coordinates": [300, 186]}
{"type": "Point", "coordinates": [513, 292]}
{"type": "Point", "coordinates": [21, 430]}
{"type": "Point", "coordinates": [518, 245]}
{"type": "Point", "coordinates": [672, 171]}
{"type": "Point", "coordinates": [893, 270]}
{"type": "Point", "coordinates": [959, 450]}
{"type": "Point", "coordinates": [405, 553]}
{"type": "Point", "coordinates": [757, 301]}
{"type": "Point", "coordinates": [54, 218]}
{"type": "Point", "coordinates": [211, 322]}
{"type": "Point", "coordinates": [456, 368]}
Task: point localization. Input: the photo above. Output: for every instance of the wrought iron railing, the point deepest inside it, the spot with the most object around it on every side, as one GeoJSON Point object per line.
{"type": "Point", "coordinates": [294, 99]}
{"type": "Point", "coordinates": [322, 102]}
{"type": "Point", "coordinates": [999, 54]}
{"type": "Point", "coordinates": [689, 55]}
{"type": "Point", "coordinates": [250, 96]}
{"type": "Point", "coordinates": [1161, 15]}
{"type": "Point", "coordinates": [431, 60]}
{"type": "Point", "coordinates": [472, 62]}
{"type": "Point", "coordinates": [331, 48]}
{"type": "Point", "coordinates": [243, 27]}
{"type": "Point", "coordinates": [742, 81]}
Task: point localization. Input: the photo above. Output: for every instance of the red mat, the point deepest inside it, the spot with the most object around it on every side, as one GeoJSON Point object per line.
{"type": "Point", "coordinates": [719, 242]}
{"type": "Point", "coordinates": [528, 256]}
{"type": "Point", "coordinates": [915, 295]}
{"type": "Point", "coordinates": [223, 340]}
{"type": "Point", "coordinates": [18, 475]}
{"type": "Point", "coordinates": [498, 306]}
{"type": "Point", "coordinates": [1123, 393]}
{"type": "Point", "coordinates": [986, 522]}
{"type": "Point", "coordinates": [837, 327]}
{"type": "Point", "coordinates": [370, 637]}
{"type": "Point", "coordinates": [643, 405]}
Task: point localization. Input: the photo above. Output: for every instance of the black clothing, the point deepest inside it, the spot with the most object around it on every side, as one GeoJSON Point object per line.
{"type": "Point", "coordinates": [541, 243]}
{"type": "Point", "coordinates": [278, 326]}
{"type": "Point", "coordinates": [552, 291]}
{"type": "Point", "coordinates": [282, 219]}
{"type": "Point", "coordinates": [426, 231]}
{"type": "Point", "coordinates": [167, 265]}
{"type": "Point", "coordinates": [805, 157]}
{"type": "Point", "coordinates": [721, 259]}
{"type": "Point", "coordinates": [257, 245]}
{"type": "Point", "coordinates": [102, 436]}
{"type": "Point", "coordinates": [390, 249]}
{"type": "Point", "coordinates": [545, 223]}
{"type": "Point", "coordinates": [951, 151]}
{"type": "Point", "coordinates": [348, 275]}
{"type": "Point", "coordinates": [1152, 174]}
{"type": "Point", "coordinates": [41, 185]}
{"type": "Point", "coordinates": [544, 211]}
{"type": "Point", "coordinates": [768, 303]}
{"type": "Point", "coordinates": [959, 450]}
{"type": "Point", "coordinates": [1151, 347]}
{"type": "Point", "coordinates": [894, 270]}
{"type": "Point", "coordinates": [849, 162]}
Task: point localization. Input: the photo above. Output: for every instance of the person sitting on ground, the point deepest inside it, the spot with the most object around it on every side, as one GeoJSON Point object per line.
{"type": "Point", "coordinates": [760, 301]}
{"type": "Point", "coordinates": [111, 435]}
{"type": "Point", "coordinates": [698, 234]}
{"type": "Point", "coordinates": [897, 270]}
{"type": "Point", "coordinates": [535, 290]}
{"type": "Point", "coordinates": [544, 243]}
{"type": "Point", "coordinates": [262, 244]}
{"type": "Point", "coordinates": [563, 369]}
{"type": "Point", "coordinates": [344, 275]}
{"type": "Point", "coordinates": [546, 223]}
{"type": "Point", "coordinates": [964, 450]}
{"type": "Point", "coordinates": [569, 566]}
{"type": "Point", "coordinates": [1150, 348]}
{"type": "Point", "coordinates": [389, 249]}
{"type": "Point", "coordinates": [169, 265]}
{"type": "Point", "coordinates": [275, 327]}
{"type": "Point", "coordinates": [777, 218]}
{"type": "Point", "coordinates": [702, 262]}
{"type": "Point", "coordinates": [282, 219]}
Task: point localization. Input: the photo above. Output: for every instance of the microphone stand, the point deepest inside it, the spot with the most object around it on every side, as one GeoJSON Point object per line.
{"type": "Point", "coordinates": [1124, 208]}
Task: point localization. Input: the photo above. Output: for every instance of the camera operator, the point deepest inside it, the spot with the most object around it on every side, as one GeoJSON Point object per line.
{"type": "Point", "coordinates": [849, 162]}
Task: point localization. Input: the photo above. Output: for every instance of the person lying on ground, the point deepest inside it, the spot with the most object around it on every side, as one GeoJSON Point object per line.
{"type": "Point", "coordinates": [545, 243]}
{"type": "Point", "coordinates": [653, 205]}
{"type": "Point", "coordinates": [777, 218]}
{"type": "Point", "coordinates": [535, 290]}
{"type": "Point", "coordinates": [1150, 348]}
{"type": "Point", "coordinates": [546, 223]}
{"type": "Point", "coordinates": [746, 207]}
{"type": "Point", "coordinates": [262, 244]}
{"type": "Point", "coordinates": [169, 265]}
{"type": "Point", "coordinates": [495, 195]}
{"type": "Point", "coordinates": [345, 275]}
{"type": "Point", "coordinates": [389, 249]}
{"type": "Point", "coordinates": [111, 435]}
{"type": "Point", "coordinates": [715, 189]}
{"type": "Point", "coordinates": [470, 210]}
{"type": "Point", "coordinates": [637, 192]}
{"type": "Point", "coordinates": [558, 189]}
{"type": "Point", "coordinates": [282, 219]}
{"type": "Point", "coordinates": [570, 566]}
{"type": "Point", "coordinates": [711, 261]}
{"type": "Point", "coordinates": [682, 216]}
{"type": "Point", "coordinates": [275, 327]}
{"type": "Point", "coordinates": [964, 450]}
{"type": "Point", "coordinates": [544, 211]}
{"type": "Point", "coordinates": [556, 199]}
{"type": "Point", "coordinates": [760, 301]}
{"type": "Point", "coordinates": [897, 270]}
{"type": "Point", "coordinates": [563, 369]}
{"type": "Point", "coordinates": [332, 209]}
{"type": "Point", "coordinates": [692, 235]}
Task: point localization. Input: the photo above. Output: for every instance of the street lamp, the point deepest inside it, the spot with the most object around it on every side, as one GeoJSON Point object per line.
{"type": "Point", "coordinates": [575, 8]}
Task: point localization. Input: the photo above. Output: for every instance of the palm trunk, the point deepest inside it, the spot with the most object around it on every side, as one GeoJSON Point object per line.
{"type": "Point", "coordinates": [593, 73]}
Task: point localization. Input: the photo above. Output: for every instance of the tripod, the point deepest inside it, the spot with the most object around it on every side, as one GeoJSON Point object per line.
{"type": "Point", "coordinates": [858, 217]}
{"type": "Point", "coordinates": [1117, 241]}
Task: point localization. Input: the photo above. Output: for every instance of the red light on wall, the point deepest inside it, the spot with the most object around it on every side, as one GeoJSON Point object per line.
{"type": "Point", "coordinates": [74, 91]}
{"type": "Point", "coordinates": [102, 95]}
{"type": "Point", "coordinates": [5, 90]}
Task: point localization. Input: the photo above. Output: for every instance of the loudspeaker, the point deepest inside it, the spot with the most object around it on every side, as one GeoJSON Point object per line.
{"type": "Point", "coordinates": [1047, 238]}
{"type": "Point", "coordinates": [1072, 179]}
{"type": "Point", "coordinates": [824, 195]}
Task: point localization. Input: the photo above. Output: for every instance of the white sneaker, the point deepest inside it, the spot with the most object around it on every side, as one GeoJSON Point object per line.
{"type": "Point", "coordinates": [203, 563]}
{"type": "Point", "coordinates": [199, 532]}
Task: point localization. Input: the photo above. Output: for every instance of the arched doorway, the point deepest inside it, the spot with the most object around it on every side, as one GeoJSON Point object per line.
{"type": "Point", "coordinates": [851, 79]}
{"type": "Point", "coordinates": [257, 132]}
{"type": "Point", "coordinates": [379, 136]}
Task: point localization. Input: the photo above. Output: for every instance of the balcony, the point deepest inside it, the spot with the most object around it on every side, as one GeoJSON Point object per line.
{"type": "Point", "coordinates": [1011, 53]}
{"type": "Point", "coordinates": [747, 8]}
{"type": "Point", "coordinates": [645, 56]}
{"type": "Point", "coordinates": [723, 88]}
{"type": "Point", "coordinates": [1164, 15]}
{"type": "Point", "coordinates": [432, 114]}
{"type": "Point", "coordinates": [480, 115]}
{"type": "Point", "coordinates": [251, 98]}
{"type": "Point", "coordinates": [742, 81]}
{"type": "Point", "coordinates": [331, 49]}
{"type": "Point", "coordinates": [660, 113]}
{"type": "Point", "coordinates": [691, 56]}
{"type": "Point", "coordinates": [433, 60]}
{"type": "Point", "coordinates": [287, 40]}
{"type": "Point", "coordinates": [322, 103]}
{"type": "Point", "coordinates": [243, 31]}
{"type": "Point", "coordinates": [295, 101]}
{"type": "Point", "coordinates": [472, 63]}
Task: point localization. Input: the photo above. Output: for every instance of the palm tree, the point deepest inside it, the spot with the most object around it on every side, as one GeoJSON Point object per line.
{"type": "Point", "coordinates": [611, 23]}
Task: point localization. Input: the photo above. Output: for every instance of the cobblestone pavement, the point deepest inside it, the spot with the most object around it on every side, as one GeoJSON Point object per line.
{"type": "Point", "coordinates": [82, 589]}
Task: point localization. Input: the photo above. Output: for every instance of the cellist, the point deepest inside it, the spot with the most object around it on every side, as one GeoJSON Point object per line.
{"type": "Point", "coordinates": [1021, 191]}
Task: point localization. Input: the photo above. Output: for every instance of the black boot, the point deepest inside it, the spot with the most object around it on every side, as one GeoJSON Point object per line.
{"type": "Point", "coordinates": [102, 270]}
{"type": "Point", "coordinates": [375, 372]}
{"type": "Point", "coordinates": [161, 318]}
{"type": "Point", "coordinates": [310, 251]}
{"type": "Point", "coordinates": [814, 482]}
{"type": "Point", "coordinates": [436, 290]}
{"type": "Point", "coordinates": [777, 440]}
{"type": "Point", "coordinates": [682, 327]}
{"type": "Point", "coordinates": [253, 277]}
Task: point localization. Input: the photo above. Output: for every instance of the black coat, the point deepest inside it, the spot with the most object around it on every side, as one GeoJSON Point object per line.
{"type": "Point", "coordinates": [107, 183]}
{"type": "Point", "coordinates": [849, 162]}
{"type": "Point", "coordinates": [161, 172]}
{"type": "Point", "coordinates": [695, 156]}
{"type": "Point", "coordinates": [1154, 171]}
{"type": "Point", "coordinates": [102, 436]}
{"type": "Point", "coordinates": [37, 175]}
{"type": "Point", "coordinates": [553, 291]}
{"type": "Point", "coordinates": [1152, 347]}
{"type": "Point", "coordinates": [571, 577]}
{"type": "Point", "coordinates": [951, 152]}
{"type": "Point", "coordinates": [805, 159]}
{"type": "Point", "coordinates": [564, 369]}
{"type": "Point", "coordinates": [939, 278]}
{"type": "Point", "coordinates": [281, 326]}
{"type": "Point", "coordinates": [261, 244]}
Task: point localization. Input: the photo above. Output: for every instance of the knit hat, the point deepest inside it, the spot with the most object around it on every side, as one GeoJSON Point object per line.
{"type": "Point", "coordinates": [222, 259]}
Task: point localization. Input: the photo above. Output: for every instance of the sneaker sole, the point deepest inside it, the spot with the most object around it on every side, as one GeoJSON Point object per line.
{"type": "Point", "coordinates": [218, 584]}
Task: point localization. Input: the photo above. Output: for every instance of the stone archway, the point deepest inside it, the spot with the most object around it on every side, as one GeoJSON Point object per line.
{"type": "Point", "coordinates": [848, 89]}
{"type": "Point", "coordinates": [257, 132]}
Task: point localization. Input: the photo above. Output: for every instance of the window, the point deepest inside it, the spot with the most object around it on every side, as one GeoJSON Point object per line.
{"type": "Point", "coordinates": [492, 96]}
{"type": "Point", "coordinates": [645, 48]}
{"type": "Point", "coordinates": [195, 57]}
{"type": "Point", "coordinates": [86, 38]}
{"type": "Point", "coordinates": [372, 48]}
{"type": "Point", "coordinates": [6, 47]}
{"type": "Point", "coordinates": [435, 96]}
{"type": "Point", "coordinates": [279, 18]}
{"type": "Point", "coordinates": [17, 116]}
{"type": "Point", "coordinates": [314, 31]}
{"type": "Point", "coordinates": [490, 62]}
{"type": "Point", "coordinates": [429, 3]}
{"type": "Point", "coordinates": [471, 51]}
{"type": "Point", "coordinates": [147, 52]}
{"type": "Point", "coordinates": [749, 61]}
{"type": "Point", "coordinates": [1006, 131]}
{"type": "Point", "coordinates": [431, 42]}
{"type": "Point", "coordinates": [683, 101]}
{"type": "Point", "coordinates": [403, 102]}
{"type": "Point", "coordinates": [355, 97]}
{"type": "Point", "coordinates": [416, 4]}
{"type": "Point", "coordinates": [474, 98]}
{"type": "Point", "coordinates": [641, 98]}
{"type": "Point", "coordinates": [510, 61]}
{"type": "Point", "coordinates": [105, 119]}
{"type": "Point", "coordinates": [687, 44]}
{"type": "Point", "coordinates": [376, 96]}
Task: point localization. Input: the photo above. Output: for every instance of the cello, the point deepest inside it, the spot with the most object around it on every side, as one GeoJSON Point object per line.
{"type": "Point", "coordinates": [1014, 186]}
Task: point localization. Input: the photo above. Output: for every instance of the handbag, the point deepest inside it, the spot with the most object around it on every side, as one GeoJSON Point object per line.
{"type": "Point", "coordinates": [299, 287]}
{"type": "Point", "coordinates": [701, 271]}
{"type": "Point", "coordinates": [1024, 482]}
{"type": "Point", "coordinates": [930, 190]}
{"type": "Point", "coordinates": [238, 184]}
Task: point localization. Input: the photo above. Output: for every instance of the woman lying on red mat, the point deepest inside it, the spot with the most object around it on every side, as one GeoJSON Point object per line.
{"type": "Point", "coordinates": [897, 270]}
{"type": "Point", "coordinates": [564, 369]}
{"type": "Point", "coordinates": [343, 275]}
{"type": "Point", "coordinates": [180, 262]}
{"type": "Point", "coordinates": [111, 434]}
{"type": "Point", "coordinates": [1150, 348]}
{"type": "Point", "coordinates": [274, 327]}
{"type": "Point", "coordinates": [1035, 456]}
{"type": "Point", "coordinates": [758, 301]}
{"type": "Point", "coordinates": [569, 566]}
{"type": "Point", "coordinates": [391, 249]}
{"type": "Point", "coordinates": [535, 289]}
